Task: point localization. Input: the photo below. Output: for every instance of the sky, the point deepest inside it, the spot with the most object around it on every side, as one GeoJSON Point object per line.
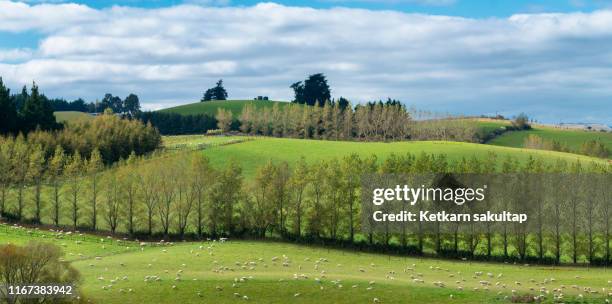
{"type": "Point", "coordinates": [549, 59]}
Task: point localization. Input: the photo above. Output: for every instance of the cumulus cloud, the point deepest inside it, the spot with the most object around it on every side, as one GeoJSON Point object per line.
{"type": "Point", "coordinates": [552, 66]}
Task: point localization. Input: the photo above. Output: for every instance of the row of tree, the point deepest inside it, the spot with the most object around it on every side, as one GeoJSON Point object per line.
{"type": "Point", "coordinates": [378, 121]}
{"type": "Point", "coordinates": [365, 122]}
{"type": "Point", "coordinates": [593, 147]}
{"type": "Point", "coordinates": [130, 105]}
{"type": "Point", "coordinates": [185, 195]}
{"type": "Point", "coordinates": [177, 124]}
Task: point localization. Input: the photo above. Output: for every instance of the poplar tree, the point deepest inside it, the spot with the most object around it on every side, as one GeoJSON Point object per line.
{"type": "Point", "coordinates": [94, 167]}
{"type": "Point", "coordinates": [55, 173]}
{"type": "Point", "coordinates": [6, 171]}
{"type": "Point", "coordinates": [299, 183]}
{"type": "Point", "coordinates": [36, 170]}
{"type": "Point", "coordinates": [74, 174]}
{"type": "Point", "coordinates": [20, 171]}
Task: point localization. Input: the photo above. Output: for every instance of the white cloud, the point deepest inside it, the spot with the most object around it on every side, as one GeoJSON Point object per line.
{"type": "Point", "coordinates": [553, 66]}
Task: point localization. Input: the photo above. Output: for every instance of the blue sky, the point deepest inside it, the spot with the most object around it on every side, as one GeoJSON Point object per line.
{"type": "Point", "coordinates": [465, 8]}
{"type": "Point", "coordinates": [550, 59]}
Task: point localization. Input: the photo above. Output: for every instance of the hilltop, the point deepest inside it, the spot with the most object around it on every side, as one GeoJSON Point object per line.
{"type": "Point", "coordinates": [210, 107]}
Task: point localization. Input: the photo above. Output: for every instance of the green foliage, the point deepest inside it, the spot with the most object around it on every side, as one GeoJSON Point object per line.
{"type": "Point", "coordinates": [112, 135]}
{"type": "Point", "coordinates": [178, 124]}
{"type": "Point", "coordinates": [36, 263]}
{"type": "Point", "coordinates": [224, 120]}
{"type": "Point", "coordinates": [552, 138]}
{"type": "Point", "coordinates": [36, 113]}
{"type": "Point", "coordinates": [595, 148]}
{"type": "Point", "coordinates": [313, 91]}
{"type": "Point", "coordinates": [216, 93]}
{"type": "Point", "coordinates": [8, 110]}
{"type": "Point", "coordinates": [521, 122]}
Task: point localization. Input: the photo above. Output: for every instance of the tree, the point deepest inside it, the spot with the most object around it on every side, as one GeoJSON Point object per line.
{"type": "Point", "coordinates": [280, 192]}
{"type": "Point", "coordinates": [36, 169]}
{"type": "Point", "coordinates": [6, 172]}
{"type": "Point", "coordinates": [264, 206]}
{"type": "Point", "coordinates": [314, 90]}
{"type": "Point", "coordinates": [216, 93]}
{"type": "Point", "coordinates": [148, 179]}
{"type": "Point", "coordinates": [55, 172]}
{"type": "Point", "coordinates": [224, 119]}
{"type": "Point", "coordinates": [167, 194]}
{"type": "Point", "coordinates": [94, 167]}
{"type": "Point", "coordinates": [112, 202]}
{"type": "Point", "coordinates": [131, 104]}
{"type": "Point", "coordinates": [20, 170]}
{"type": "Point", "coordinates": [521, 122]}
{"type": "Point", "coordinates": [37, 112]}
{"type": "Point", "coordinates": [74, 173]}
{"type": "Point", "coordinates": [200, 183]}
{"type": "Point", "coordinates": [111, 102]}
{"type": "Point", "coordinates": [298, 183]}
{"type": "Point", "coordinates": [128, 184]}
{"type": "Point", "coordinates": [8, 110]}
{"type": "Point", "coordinates": [35, 263]}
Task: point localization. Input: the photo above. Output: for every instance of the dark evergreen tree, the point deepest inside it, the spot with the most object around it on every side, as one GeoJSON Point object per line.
{"type": "Point", "coordinates": [343, 103]}
{"type": "Point", "coordinates": [37, 112]}
{"type": "Point", "coordinates": [113, 102]}
{"type": "Point", "coordinates": [313, 90]}
{"type": "Point", "coordinates": [216, 93]}
{"type": "Point", "coordinates": [8, 111]}
{"type": "Point", "coordinates": [131, 104]}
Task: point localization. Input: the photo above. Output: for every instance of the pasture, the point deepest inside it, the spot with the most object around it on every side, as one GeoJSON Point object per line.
{"type": "Point", "coordinates": [254, 153]}
{"type": "Point", "coordinates": [571, 138]}
{"type": "Point", "coordinates": [68, 116]}
{"type": "Point", "coordinates": [268, 272]}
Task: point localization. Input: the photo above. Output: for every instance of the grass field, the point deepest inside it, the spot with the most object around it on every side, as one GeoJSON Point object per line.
{"type": "Point", "coordinates": [489, 125]}
{"type": "Point", "coordinates": [63, 116]}
{"type": "Point", "coordinates": [571, 138]}
{"type": "Point", "coordinates": [257, 152]}
{"type": "Point", "coordinates": [191, 141]}
{"type": "Point", "coordinates": [211, 107]}
{"type": "Point", "coordinates": [264, 272]}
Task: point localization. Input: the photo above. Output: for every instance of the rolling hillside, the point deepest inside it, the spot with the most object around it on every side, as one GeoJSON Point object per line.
{"type": "Point", "coordinates": [254, 153]}
{"type": "Point", "coordinates": [115, 271]}
{"type": "Point", "coordinates": [572, 138]}
{"type": "Point", "coordinates": [211, 107]}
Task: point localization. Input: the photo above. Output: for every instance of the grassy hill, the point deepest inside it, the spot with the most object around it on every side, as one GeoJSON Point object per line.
{"type": "Point", "coordinates": [63, 116]}
{"type": "Point", "coordinates": [265, 272]}
{"type": "Point", "coordinates": [572, 138]}
{"type": "Point", "coordinates": [254, 153]}
{"type": "Point", "coordinates": [210, 107]}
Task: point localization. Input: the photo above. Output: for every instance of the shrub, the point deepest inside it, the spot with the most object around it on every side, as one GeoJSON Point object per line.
{"type": "Point", "coordinates": [36, 263]}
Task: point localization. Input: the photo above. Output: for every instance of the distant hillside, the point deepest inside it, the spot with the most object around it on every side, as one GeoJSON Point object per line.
{"type": "Point", "coordinates": [67, 116]}
{"type": "Point", "coordinates": [258, 151]}
{"type": "Point", "coordinates": [571, 138]}
{"type": "Point", "coordinates": [210, 107]}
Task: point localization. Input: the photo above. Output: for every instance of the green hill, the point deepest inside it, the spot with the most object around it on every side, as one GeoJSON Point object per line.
{"type": "Point", "coordinates": [571, 138]}
{"type": "Point", "coordinates": [210, 107]}
{"type": "Point", "coordinates": [67, 116]}
{"type": "Point", "coordinates": [115, 271]}
{"type": "Point", "coordinates": [254, 153]}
